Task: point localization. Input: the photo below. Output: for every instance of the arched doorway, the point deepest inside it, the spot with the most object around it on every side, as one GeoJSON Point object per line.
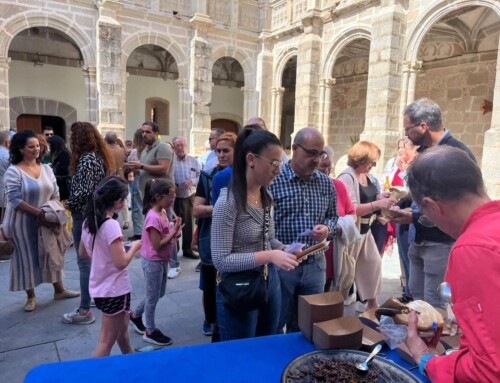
{"type": "Point", "coordinates": [227, 97]}
{"type": "Point", "coordinates": [46, 67]}
{"type": "Point", "coordinates": [288, 82]}
{"type": "Point", "coordinates": [227, 125]}
{"type": "Point", "coordinates": [152, 93]}
{"type": "Point", "coordinates": [458, 59]}
{"type": "Point", "coordinates": [348, 96]}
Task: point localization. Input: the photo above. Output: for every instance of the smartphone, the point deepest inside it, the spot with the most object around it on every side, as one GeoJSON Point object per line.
{"type": "Point", "coordinates": [127, 245]}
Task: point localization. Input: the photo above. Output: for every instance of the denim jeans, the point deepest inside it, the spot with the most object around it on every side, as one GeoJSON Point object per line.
{"type": "Point", "coordinates": [428, 262]}
{"type": "Point", "coordinates": [137, 216]}
{"type": "Point", "coordinates": [84, 263]}
{"type": "Point", "coordinates": [403, 246]}
{"type": "Point", "coordinates": [155, 275]}
{"type": "Point", "coordinates": [183, 207]}
{"type": "Point", "coordinates": [174, 259]}
{"type": "Point", "coordinates": [306, 279]}
{"type": "Point", "coordinates": [240, 325]}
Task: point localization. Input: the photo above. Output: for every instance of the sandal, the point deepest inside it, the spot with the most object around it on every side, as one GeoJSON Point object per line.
{"type": "Point", "coordinates": [30, 304]}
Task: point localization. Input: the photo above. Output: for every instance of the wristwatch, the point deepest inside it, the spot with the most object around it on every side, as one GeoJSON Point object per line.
{"type": "Point", "coordinates": [423, 362]}
{"type": "Point", "coordinates": [142, 166]}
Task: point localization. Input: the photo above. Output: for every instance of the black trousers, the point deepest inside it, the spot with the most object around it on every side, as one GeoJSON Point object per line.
{"type": "Point", "coordinates": [183, 207]}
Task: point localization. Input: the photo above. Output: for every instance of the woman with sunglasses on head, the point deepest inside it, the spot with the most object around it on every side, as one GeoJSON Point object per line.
{"type": "Point", "coordinates": [243, 235]}
{"type": "Point", "coordinates": [91, 161]}
{"type": "Point", "coordinates": [364, 191]}
{"type": "Point", "coordinates": [202, 210]}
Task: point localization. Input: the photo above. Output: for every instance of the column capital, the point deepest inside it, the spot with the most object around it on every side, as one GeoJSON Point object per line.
{"type": "Point", "coordinates": [327, 82]}
{"type": "Point", "coordinates": [247, 89]}
{"type": "Point", "coordinates": [182, 83]}
{"type": "Point", "coordinates": [201, 24]}
{"type": "Point", "coordinates": [312, 23]}
{"type": "Point", "coordinates": [277, 90]}
{"type": "Point", "coordinates": [412, 66]}
{"type": "Point", "coordinates": [89, 71]}
{"type": "Point", "coordinates": [5, 62]}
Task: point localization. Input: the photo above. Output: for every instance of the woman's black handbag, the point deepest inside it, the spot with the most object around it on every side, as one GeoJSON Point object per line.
{"type": "Point", "coordinates": [246, 290]}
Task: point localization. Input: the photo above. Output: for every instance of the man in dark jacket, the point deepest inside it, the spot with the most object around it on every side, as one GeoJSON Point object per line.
{"type": "Point", "coordinates": [429, 246]}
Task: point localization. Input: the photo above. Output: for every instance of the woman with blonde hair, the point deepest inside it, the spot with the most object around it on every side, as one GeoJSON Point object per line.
{"type": "Point", "coordinates": [91, 161]}
{"type": "Point", "coordinates": [364, 191]}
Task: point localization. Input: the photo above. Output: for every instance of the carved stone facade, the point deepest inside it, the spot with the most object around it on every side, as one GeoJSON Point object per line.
{"type": "Point", "coordinates": [358, 63]}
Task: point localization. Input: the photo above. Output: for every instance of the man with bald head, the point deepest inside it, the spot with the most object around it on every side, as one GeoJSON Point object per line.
{"type": "Point", "coordinates": [305, 210]}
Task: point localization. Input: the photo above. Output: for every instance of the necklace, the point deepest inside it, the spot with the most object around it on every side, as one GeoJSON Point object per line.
{"type": "Point", "coordinates": [253, 199]}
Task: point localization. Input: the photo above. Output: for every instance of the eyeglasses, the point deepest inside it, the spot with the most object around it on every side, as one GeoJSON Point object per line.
{"type": "Point", "coordinates": [48, 134]}
{"type": "Point", "coordinates": [170, 196]}
{"type": "Point", "coordinates": [276, 164]}
{"type": "Point", "coordinates": [314, 153]}
{"type": "Point", "coordinates": [407, 129]}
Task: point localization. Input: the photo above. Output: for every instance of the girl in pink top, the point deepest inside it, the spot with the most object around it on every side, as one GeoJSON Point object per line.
{"type": "Point", "coordinates": [158, 240]}
{"type": "Point", "coordinates": [109, 283]}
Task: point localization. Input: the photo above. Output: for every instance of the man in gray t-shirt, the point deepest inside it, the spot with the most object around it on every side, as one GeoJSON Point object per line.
{"type": "Point", "coordinates": [156, 159]}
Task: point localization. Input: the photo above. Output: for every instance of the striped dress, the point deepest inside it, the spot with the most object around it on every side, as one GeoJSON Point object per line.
{"type": "Point", "coordinates": [22, 227]}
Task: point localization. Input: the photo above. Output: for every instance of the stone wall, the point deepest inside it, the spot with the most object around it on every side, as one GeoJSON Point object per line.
{"type": "Point", "coordinates": [347, 112]}
{"type": "Point", "coordinates": [460, 86]}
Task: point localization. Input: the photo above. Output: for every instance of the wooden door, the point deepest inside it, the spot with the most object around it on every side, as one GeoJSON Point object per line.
{"type": "Point", "coordinates": [227, 125]}
{"type": "Point", "coordinates": [29, 121]}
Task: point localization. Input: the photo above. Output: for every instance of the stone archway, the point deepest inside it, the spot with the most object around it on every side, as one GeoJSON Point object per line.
{"type": "Point", "coordinates": [462, 56]}
{"type": "Point", "coordinates": [41, 106]}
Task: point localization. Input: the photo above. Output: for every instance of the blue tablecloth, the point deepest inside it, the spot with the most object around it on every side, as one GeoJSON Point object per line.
{"type": "Point", "coordinates": [250, 360]}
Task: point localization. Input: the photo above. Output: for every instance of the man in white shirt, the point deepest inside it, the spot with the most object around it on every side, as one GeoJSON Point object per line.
{"type": "Point", "coordinates": [186, 175]}
{"type": "Point", "coordinates": [209, 160]}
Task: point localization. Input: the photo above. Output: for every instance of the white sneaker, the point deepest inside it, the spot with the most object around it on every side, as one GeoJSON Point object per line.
{"type": "Point", "coordinates": [350, 300]}
{"type": "Point", "coordinates": [360, 307]}
{"type": "Point", "coordinates": [174, 272]}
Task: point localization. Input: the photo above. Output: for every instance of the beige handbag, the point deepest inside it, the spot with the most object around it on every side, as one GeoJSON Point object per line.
{"type": "Point", "coordinates": [6, 244]}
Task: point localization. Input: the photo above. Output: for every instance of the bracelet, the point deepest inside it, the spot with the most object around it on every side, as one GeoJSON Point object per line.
{"type": "Point", "coordinates": [142, 166]}
{"type": "Point", "coordinates": [371, 204]}
{"type": "Point", "coordinates": [423, 362]}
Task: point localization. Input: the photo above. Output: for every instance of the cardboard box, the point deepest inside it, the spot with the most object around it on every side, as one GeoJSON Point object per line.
{"type": "Point", "coordinates": [318, 308]}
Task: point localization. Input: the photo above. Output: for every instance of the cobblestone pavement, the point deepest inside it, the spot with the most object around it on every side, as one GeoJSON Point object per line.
{"type": "Point", "coordinates": [31, 339]}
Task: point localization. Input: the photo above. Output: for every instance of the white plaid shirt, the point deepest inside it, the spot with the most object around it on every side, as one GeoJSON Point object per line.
{"type": "Point", "coordinates": [300, 205]}
{"type": "Point", "coordinates": [187, 168]}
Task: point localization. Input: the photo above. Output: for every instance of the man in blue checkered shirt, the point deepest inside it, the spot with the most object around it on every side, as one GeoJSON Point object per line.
{"type": "Point", "coordinates": [305, 199]}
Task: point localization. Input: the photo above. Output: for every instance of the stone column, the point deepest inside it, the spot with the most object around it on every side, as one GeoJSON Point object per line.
{"type": "Point", "coordinates": [184, 102]}
{"type": "Point", "coordinates": [4, 93]}
{"type": "Point", "coordinates": [264, 79]}
{"type": "Point", "coordinates": [200, 82]}
{"type": "Point", "coordinates": [109, 75]}
{"type": "Point", "coordinates": [308, 73]}
{"type": "Point", "coordinates": [249, 103]}
{"type": "Point", "coordinates": [385, 80]}
{"type": "Point", "coordinates": [90, 76]}
{"type": "Point", "coordinates": [325, 97]}
{"type": "Point", "coordinates": [408, 87]}
{"type": "Point", "coordinates": [276, 110]}
{"type": "Point", "coordinates": [490, 165]}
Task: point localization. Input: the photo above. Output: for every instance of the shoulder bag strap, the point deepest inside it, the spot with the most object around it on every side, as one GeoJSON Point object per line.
{"type": "Point", "coordinates": [265, 237]}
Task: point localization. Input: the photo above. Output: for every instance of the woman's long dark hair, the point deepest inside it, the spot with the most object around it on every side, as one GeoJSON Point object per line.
{"type": "Point", "coordinates": [57, 145]}
{"type": "Point", "coordinates": [153, 187]}
{"type": "Point", "coordinates": [249, 141]}
{"type": "Point", "coordinates": [18, 142]}
{"type": "Point", "coordinates": [107, 192]}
